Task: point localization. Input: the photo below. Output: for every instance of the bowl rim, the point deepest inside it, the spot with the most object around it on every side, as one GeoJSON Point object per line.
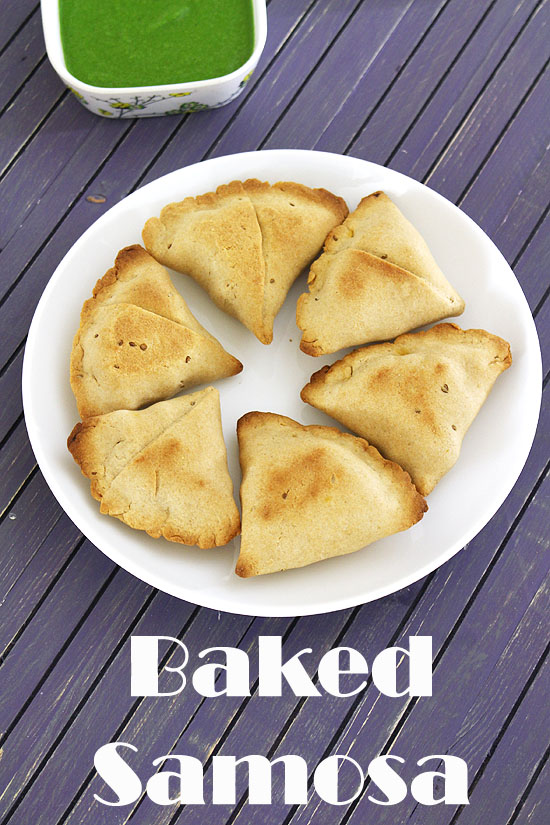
{"type": "Point", "coordinates": [54, 49]}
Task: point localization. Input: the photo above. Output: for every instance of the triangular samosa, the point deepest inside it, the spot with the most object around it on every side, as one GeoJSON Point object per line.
{"type": "Point", "coordinates": [375, 279]}
{"type": "Point", "coordinates": [414, 399]}
{"type": "Point", "coordinates": [162, 469]}
{"type": "Point", "coordinates": [137, 278]}
{"type": "Point", "coordinates": [246, 243]}
{"type": "Point", "coordinates": [138, 341]}
{"type": "Point", "coordinates": [309, 493]}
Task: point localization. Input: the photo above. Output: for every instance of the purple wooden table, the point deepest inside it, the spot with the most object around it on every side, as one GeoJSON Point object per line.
{"type": "Point", "coordinates": [454, 93]}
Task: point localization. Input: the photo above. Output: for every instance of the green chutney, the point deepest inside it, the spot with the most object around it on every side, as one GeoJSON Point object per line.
{"type": "Point", "coordinates": [154, 42]}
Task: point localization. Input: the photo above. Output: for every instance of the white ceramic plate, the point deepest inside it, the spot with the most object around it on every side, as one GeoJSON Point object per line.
{"type": "Point", "coordinates": [493, 452]}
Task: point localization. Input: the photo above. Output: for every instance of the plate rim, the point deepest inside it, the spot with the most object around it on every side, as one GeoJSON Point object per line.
{"type": "Point", "coordinates": [201, 597]}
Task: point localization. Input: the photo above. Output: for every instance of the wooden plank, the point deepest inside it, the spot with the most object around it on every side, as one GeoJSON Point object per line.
{"type": "Point", "coordinates": [28, 111]}
{"type": "Point", "coordinates": [515, 759]}
{"type": "Point", "coordinates": [460, 87]}
{"type": "Point", "coordinates": [408, 96]}
{"type": "Point", "coordinates": [21, 601]}
{"type": "Point", "coordinates": [534, 263]}
{"type": "Point", "coordinates": [387, 89]}
{"type": "Point", "coordinates": [10, 393]}
{"type": "Point", "coordinates": [34, 515]}
{"type": "Point", "coordinates": [20, 58]}
{"type": "Point", "coordinates": [523, 218]}
{"type": "Point", "coordinates": [41, 641]}
{"type": "Point", "coordinates": [543, 329]}
{"type": "Point", "coordinates": [14, 14]}
{"type": "Point", "coordinates": [512, 170]}
{"type": "Point", "coordinates": [535, 808]}
{"type": "Point", "coordinates": [345, 104]}
{"type": "Point", "coordinates": [73, 675]}
{"type": "Point", "coordinates": [490, 115]}
{"type": "Point", "coordinates": [47, 155]}
{"type": "Point", "coordinates": [16, 462]}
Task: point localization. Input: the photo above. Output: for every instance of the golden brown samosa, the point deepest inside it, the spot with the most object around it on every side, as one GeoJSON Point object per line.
{"type": "Point", "coordinates": [246, 243]}
{"type": "Point", "coordinates": [138, 341]}
{"type": "Point", "coordinates": [414, 399]}
{"type": "Point", "coordinates": [162, 469]}
{"type": "Point", "coordinates": [375, 279]}
{"type": "Point", "coordinates": [309, 493]}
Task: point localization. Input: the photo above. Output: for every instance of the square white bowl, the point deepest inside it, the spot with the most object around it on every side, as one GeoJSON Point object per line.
{"type": "Point", "coordinates": [150, 101]}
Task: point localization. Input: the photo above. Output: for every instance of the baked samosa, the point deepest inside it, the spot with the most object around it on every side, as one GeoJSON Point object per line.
{"type": "Point", "coordinates": [414, 399]}
{"type": "Point", "coordinates": [138, 341]}
{"type": "Point", "coordinates": [245, 243]}
{"type": "Point", "coordinates": [309, 493]}
{"type": "Point", "coordinates": [375, 279]}
{"type": "Point", "coordinates": [162, 469]}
